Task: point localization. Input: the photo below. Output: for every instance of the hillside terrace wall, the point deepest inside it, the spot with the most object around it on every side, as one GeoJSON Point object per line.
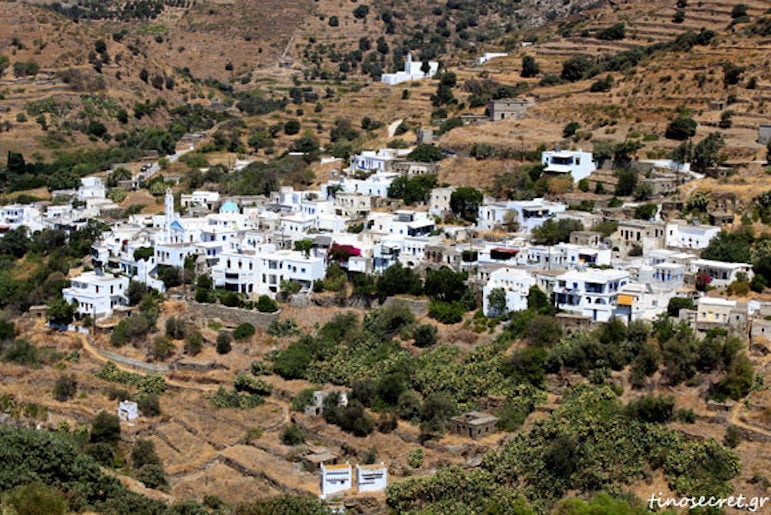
{"type": "Point", "coordinates": [231, 316]}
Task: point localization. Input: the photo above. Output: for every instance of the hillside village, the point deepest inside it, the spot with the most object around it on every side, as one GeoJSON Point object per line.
{"type": "Point", "coordinates": [530, 280]}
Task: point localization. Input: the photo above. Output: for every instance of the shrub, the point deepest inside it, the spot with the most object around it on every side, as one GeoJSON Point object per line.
{"type": "Point", "coordinates": [732, 437]}
{"type": "Point", "coordinates": [386, 423]}
{"type": "Point", "coordinates": [36, 498]}
{"type": "Point", "coordinates": [223, 343]}
{"type": "Point", "coordinates": [678, 303]}
{"type": "Point", "coordinates": [266, 305]}
{"type": "Point", "coordinates": [105, 428]}
{"type": "Point", "coordinates": [686, 415]}
{"type": "Point", "coordinates": [252, 385]}
{"type": "Point", "coordinates": [65, 388]}
{"type": "Point", "coordinates": [425, 335]}
{"type": "Point", "coordinates": [149, 405]}
{"type": "Point", "coordinates": [224, 398]}
{"type": "Point", "coordinates": [415, 458]}
{"type": "Point", "coordinates": [244, 332]}
{"type": "Point", "coordinates": [570, 129]}
{"type": "Point", "coordinates": [575, 68]}
{"type": "Point", "coordinates": [292, 435]}
{"type": "Point", "coordinates": [446, 312]}
{"type": "Point", "coordinates": [21, 352]}
{"type": "Point", "coordinates": [194, 343]}
{"type": "Point", "coordinates": [612, 33]}
{"type": "Point", "coordinates": [152, 476]}
{"type": "Point", "coordinates": [651, 408]}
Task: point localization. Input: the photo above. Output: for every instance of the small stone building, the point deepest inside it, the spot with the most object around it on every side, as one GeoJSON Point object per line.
{"type": "Point", "coordinates": [128, 410]}
{"type": "Point", "coordinates": [508, 108]}
{"type": "Point", "coordinates": [314, 457]}
{"type": "Point", "coordinates": [764, 133]}
{"type": "Point", "coordinates": [474, 424]}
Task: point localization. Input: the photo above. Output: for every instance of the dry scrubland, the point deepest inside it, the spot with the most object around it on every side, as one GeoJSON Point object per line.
{"type": "Point", "coordinates": [237, 454]}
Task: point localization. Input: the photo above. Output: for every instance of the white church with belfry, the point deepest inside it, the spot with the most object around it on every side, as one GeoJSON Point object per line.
{"type": "Point", "coordinates": [413, 70]}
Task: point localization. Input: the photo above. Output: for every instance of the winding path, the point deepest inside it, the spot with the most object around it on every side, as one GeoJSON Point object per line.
{"type": "Point", "coordinates": [735, 417]}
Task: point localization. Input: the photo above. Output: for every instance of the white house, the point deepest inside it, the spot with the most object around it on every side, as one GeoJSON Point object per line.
{"type": "Point", "coordinates": [640, 301]}
{"type": "Point", "coordinates": [371, 478]}
{"type": "Point", "coordinates": [403, 222]}
{"type": "Point", "coordinates": [515, 282]}
{"type": "Point", "coordinates": [722, 273]}
{"type": "Point", "coordinates": [91, 188]}
{"type": "Point", "coordinates": [528, 214]}
{"type": "Point", "coordinates": [200, 199]}
{"type": "Point", "coordinates": [590, 293]}
{"type": "Point", "coordinates": [576, 163]}
{"type": "Point", "coordinates": [261, 271]}
{"type": "Point", "coordinates": [490, 55]}
{"type": "Point", "coordinates": [335, 479]}
{"type": "Point", "coordinates": [96, 293]}
{"type": "Point", "coordinates": [567, 255]}
{"type": "Point", "coordinates": [683, 236]}
{"type": "Point", "coordinates": [373, 161]}
{"type": "Point", "coordinates": [412, 71]}
{"type": "Point", "coordinates": [376, 185]}
{"type": "Point", "coordinates": [663, 276]}
{"type": "Point", "coordinates": [13, 216]}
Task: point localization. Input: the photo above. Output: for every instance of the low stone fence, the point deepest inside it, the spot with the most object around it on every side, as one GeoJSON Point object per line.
{"type": "Point", "coordinates": [231, 316]}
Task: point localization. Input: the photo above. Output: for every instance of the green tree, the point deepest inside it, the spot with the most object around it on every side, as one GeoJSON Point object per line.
{"type": "Point", "coordinates": [266, 305]}
{"type": "Point", "coordinates": [537, 300]}
{"type": "Point", "coordinates": [361, 12]}
{"type": "Point", "coordinates": [678, 303]}
{"type": "Point", "coordinates": [291, 127]}
{"type": "Point", "coordinates": [425, 335]}
{"type": "Point", "coordinates": [496, 303]}
{"type": "Point", "coordinates": [223, 342]}
{"type": "Point", "coordinates": [730, 247]}
{"type": "Point", "coordinates": [551, 232]}
{"type": "Point", "coordinates": [60, 312]}
{"type": "Point", "coordinates": [149, 405]}
{"type": "Point", "coordinates": [527, 365]}
{"type": "Point", "coordinates": [243, 331]}
{"type": "Point", "coordinates": [612, 33]}
{"type": "Point", "coordinates": [645, 211]}
{"type": "Point", "coordinates": [570, 129]}
{"type": "Point", "coordinates": [412, 189]}
{"type": "Point", "coordinates": [530, 67]}
{"type": "Point", "coordinates": [706, 153]}
{"type": "Point", "coordinates": [627, 181]}
{"type": "Point", "coordinates": [426, 153]}
{"type": "Point", "coordinates": [105, 428]}
{"type": "Point", "coordinates": [292, 435]}
{"type": "Point", "coordinates": [446, 285]}
{"type": "Point", "coordinates": [193, 342]}
{"type": "Point", "coordinates": [681, 128]}
{"type": "Point", "coordinates": [465, 202]}
{"type": "Point", "coordinates": [397, 279]}
{"type": "Point", "coordinates": [576, 68]}
{"type": "Point", "coordinates": [65, 388]}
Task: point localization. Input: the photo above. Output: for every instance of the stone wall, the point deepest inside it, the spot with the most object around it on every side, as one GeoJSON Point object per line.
{"type": "Point", "coordinates": [230, 316]}
{"type": "Point", "coordinates": [418, 307]}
